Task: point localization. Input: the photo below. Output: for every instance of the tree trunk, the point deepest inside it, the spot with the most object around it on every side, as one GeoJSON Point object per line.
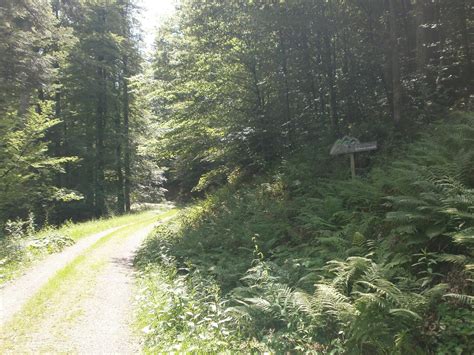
{"type": "Point", "coordinates": [284, 65]}
{"type": "Point", "coordinates": [420, 36]}
{"type": "Point", "coordinates": [309, 64]}
{"type": "Point", "coordinates": [99, 188]}
{"type": "Point", "coordinates": [395, 63]}
{"type": "Point", "coordinates": [331, 82]}
{"type": "Point", "coordinates": [330, 66]}
{"type": "Point", "coordinates": [463, 16]}
{"type": "Point", "coordinates": [118, 164]}
{"type": "Point", "coordinates": [126, 112]}
{"type": "Point", "coordinates": [126, 137]}
{"type": "Point", "coordinates": [320, 71]}
{"type": "Point", "coordinates": [263, 144]}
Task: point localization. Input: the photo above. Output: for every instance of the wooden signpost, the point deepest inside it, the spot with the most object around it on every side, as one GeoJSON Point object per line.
{"type": "Point", "coordinates": [351, 145]}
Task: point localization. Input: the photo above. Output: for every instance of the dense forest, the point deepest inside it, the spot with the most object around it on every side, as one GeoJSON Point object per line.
{"type": "Point", "coordinates": [71, 123]}
{"type": "Point", "coordinates": [232, 116]}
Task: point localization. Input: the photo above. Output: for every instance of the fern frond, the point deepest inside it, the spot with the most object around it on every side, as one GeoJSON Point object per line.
{"type": "Point", "coordinates": [466, 237]}
{"type": "Point", "coordinates": [368, 299]}
{"type": "Point", "coordinates": [452, 258]}
{"type": "Point", "coordinates": [302, 301]}
{"type": "Point", "coordinates": [383, 288]}
{"type": "Point", "coordinates": [257, 303]}
{"type": "Point", "coordinates": [405, 312]}
{"type": "Point", "coordinates": [463, 299]}
{"type": "Point", "coordinates": [332, 302]}
{"type": "Point", "coordinates": [436, 291]}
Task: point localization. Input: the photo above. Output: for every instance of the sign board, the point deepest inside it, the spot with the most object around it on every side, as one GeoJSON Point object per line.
{"type": "Point", "coordinates": [348, 145]}
{"type": "Point", "coordinates": [351, 145]}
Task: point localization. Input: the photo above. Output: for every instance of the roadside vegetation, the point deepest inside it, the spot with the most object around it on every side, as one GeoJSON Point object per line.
{"type": "Point", "coordinates": [307, 261]}
{"type": "Point", "coordinates": [23, 244]}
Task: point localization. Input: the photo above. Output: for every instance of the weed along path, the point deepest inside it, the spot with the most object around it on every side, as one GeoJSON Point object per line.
{"type": "Point", "coordinates": [82, 300]}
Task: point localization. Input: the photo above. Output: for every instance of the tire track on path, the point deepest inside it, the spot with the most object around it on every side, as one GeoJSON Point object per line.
{"type": "Point", "coordinates": [14, 294]}
{"type": "Point", "coordinates": [91, 311]}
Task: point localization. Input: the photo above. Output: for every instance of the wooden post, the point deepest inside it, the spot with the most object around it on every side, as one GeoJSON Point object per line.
{"type": "Point", "coordinates": [353, 166]}
{"type": "Point", "coordinates": [350, 145]}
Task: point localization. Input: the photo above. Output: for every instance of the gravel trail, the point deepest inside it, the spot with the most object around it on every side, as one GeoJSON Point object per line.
{"type": "Point", "coordinates": [14, 294]}
{"type": "Point", "coordinates": [105, 325]}
{"type": "Point", "coordinates": [91, 314]}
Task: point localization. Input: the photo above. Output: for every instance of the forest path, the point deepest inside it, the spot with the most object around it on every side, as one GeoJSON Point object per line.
{"type": "Point", "coordinates": [83, 303]}
{"type": "Point", "coordinates": [15, 294]}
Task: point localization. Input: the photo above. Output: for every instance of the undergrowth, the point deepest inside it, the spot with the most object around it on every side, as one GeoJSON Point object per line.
{"type": "Point", "coordinates": [307, 261]}
{"type": "Point", "coordinates": [22, 245]}
{"type": "Point", "coordinates": [179, 311]}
